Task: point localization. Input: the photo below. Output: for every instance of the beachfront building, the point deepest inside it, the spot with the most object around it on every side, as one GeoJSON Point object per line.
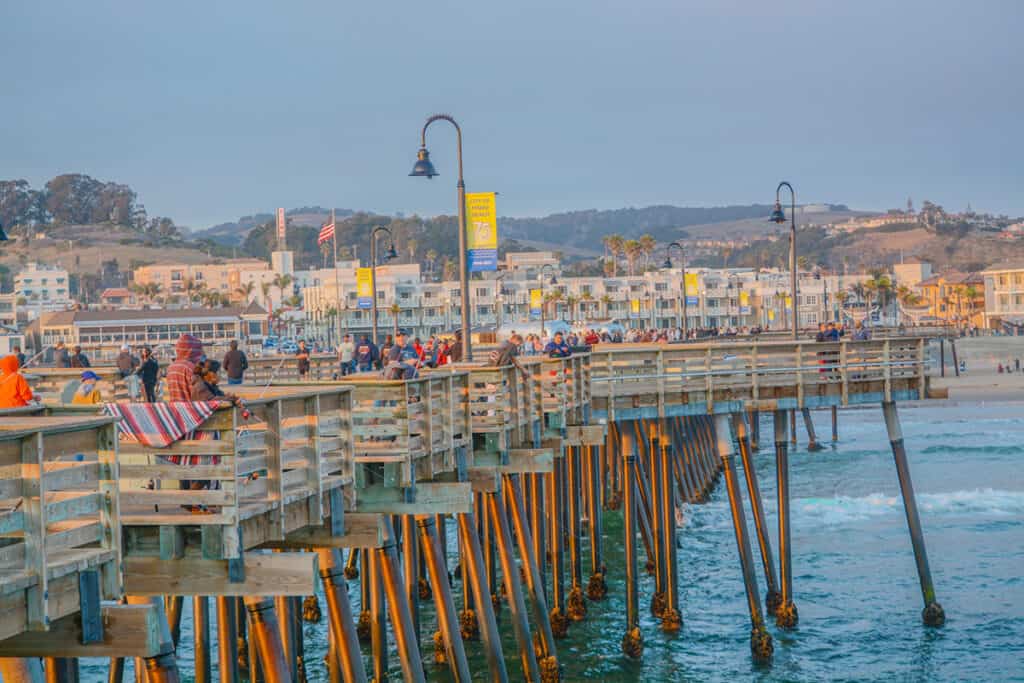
{"type": "Point", "coordinates": [725, 298]}
{"type": "Point", "coordinates": [9, 310]}
{"type": "Point", "coordinates": [109, 329]}
{"type": "Point", "coordinates": [1004, 296]}
{"type": "Point", "coordinates": [954, 298]}
{"type": "Point", "coordinates": [43, 288]}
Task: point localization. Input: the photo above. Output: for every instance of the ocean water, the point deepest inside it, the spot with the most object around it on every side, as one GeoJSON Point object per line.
{"type": "Point", "coordinates": [855, 582]}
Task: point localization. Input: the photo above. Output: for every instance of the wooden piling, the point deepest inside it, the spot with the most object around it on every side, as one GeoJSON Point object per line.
{"type": "Point", "coordinates": [760, 641]}
{"type": "Point", "coordinates": [448, 624]}
{"type": "Point", "coordinates": [772, 598]}
{"type": "Point", "coordinates": [933, 614]}
{"type": "Point", "coordinates": [339, 616]}
{"type": "Point", "coordinates": [786, 615]}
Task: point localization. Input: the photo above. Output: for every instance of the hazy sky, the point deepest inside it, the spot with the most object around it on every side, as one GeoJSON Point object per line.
{"type": "Point", "coordinates": [215, 109]}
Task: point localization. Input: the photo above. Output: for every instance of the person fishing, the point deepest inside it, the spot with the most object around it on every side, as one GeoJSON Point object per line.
{"type": "Point", "coordinates": [14, 390]}
{"type": "Point", "coordinates": [557, 348]}
{"type": "Point", "coordinates": [79, 359]}
{"type": "Point", "coordinates": [88, 392]}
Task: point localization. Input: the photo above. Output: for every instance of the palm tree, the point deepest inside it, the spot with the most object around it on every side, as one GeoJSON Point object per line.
{"type": "Point", "coordinates": [609, 267]}
{"type": "Point", "coordinates": [571, 301]}
{"type": "Point", "coordinates": [614, 244]}
{"type": "Point", "coordinates": [431, 259]}
{"type": "Point", "coordinates": [449, 269]}
{"type": "Point", "coordinates": [841, 299]}
{"type": "Point", "coordinates": [647, 246]}
{"type": "Point", "coordinates": [245, 291]}
{"type": "Point", "coordinates": [552, 298]}
{"type": "Point", "coordinates": [879, 288]}
{"type": "Point", "coordinates": [585, 298]}
{"type": "Point", "coordinates": [282, 282]}
{"type": "Point", "coordinates": [411, 245]}
{"type": "Point", "coordinates": [606, 302]}
{"type": "Point", "coordinates": [632, 250]}
{"type": "Point", "coordinates": [265, 288]}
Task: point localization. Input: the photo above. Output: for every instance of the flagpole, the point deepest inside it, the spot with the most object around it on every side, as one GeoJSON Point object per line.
{"type": "Point", "coordinates": [337, 280]}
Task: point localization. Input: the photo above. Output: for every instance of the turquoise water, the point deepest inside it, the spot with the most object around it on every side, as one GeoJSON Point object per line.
{"type": "Point", "coordinates": [855, 582]}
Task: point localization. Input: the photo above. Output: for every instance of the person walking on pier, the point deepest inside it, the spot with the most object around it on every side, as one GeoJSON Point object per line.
{"type": "Point", "coordinates": [302, 354]}
{"type": "Point", "coordinates": [126, 362]}
{"type": "Point", "coordinates": [366, 354]}
{"type": "Point", "coordinates": [235, 363]}
{"type": "Point", "coordinates": [346, 355]}
{"type": "Point", "coordinates": [188, 352]}
{"type": "Point", "coordinates": [79, 359]}
{"type": "Point", "coordinates": [148, 372]}
{"type": "Point", "coordinates": [60, 355]}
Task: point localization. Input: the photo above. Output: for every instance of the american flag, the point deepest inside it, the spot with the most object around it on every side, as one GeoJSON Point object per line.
{"type": "Point", "coordinates": [326, 233]}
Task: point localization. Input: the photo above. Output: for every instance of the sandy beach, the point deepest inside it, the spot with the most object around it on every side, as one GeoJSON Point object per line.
{"type": "Point", "coordinates": [981, 381]}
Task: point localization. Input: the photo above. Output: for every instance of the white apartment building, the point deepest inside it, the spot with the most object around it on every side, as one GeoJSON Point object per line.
{"type": "Point", "coordinates": [43, 288]}
{"type": "Point", "coordinates": [724, 298]}
{"type": "Point", "coordinates": [1004, 295]}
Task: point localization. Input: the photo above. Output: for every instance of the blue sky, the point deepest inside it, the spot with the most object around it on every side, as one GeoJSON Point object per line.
{"type": "Point", "coordinates": [211, 110]}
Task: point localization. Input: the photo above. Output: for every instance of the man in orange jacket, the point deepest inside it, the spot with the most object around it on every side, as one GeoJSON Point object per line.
{"type": "Point", "coordinates": [14, 390]}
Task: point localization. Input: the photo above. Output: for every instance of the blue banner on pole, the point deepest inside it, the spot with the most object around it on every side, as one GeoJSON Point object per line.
{"type": "Point", "coordinates": [482, 259]}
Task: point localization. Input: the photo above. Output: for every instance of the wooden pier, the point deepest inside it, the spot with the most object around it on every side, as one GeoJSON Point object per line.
{"type": "Point", "coordinates": [354, 479]}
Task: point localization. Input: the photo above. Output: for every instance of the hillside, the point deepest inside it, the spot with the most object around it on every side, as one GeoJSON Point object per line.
{"type": "Point", "coordinates": [234, 233]}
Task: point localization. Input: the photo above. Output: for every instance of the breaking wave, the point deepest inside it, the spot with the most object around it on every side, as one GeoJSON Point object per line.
{"type": "Point", "coordinates": [843, 509]}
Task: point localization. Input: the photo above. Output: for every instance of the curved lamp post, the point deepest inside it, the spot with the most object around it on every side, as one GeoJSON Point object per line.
{"type": "Point", "coordinates": [388, 255]}
{"type": "Point", "coordinates": [554, 281]}
{"type": "Point", "coordinates": [779, 216]}
{"type": "Point", "coordinates": [423, 168]}
{"type": "Point", "coordinates": [682, 264]}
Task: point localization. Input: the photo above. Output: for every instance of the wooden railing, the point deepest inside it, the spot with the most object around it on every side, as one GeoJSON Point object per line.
{"type": "Point", "coordinates": [659, 375]}
{"type": "Point", "coordinates": [59, 521]}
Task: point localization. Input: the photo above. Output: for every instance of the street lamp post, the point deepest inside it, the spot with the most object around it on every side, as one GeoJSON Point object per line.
{"type": "Point", "coordinates": [779, 216]}
{"type": "Point", "coordinates": [499, 299]}
{"type": "Point", "coordinates": [423, 168]}
{"type": "Point", "coordinates": [554, 281]}
{"type": "Point", "coordinates": [390, 254]}
{"type": "Point", "coordinates": [682, 265]}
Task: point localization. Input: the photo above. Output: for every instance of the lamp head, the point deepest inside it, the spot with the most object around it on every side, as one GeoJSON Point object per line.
{"type": "Point", "coordinates": [554, 280]}
{"type": "Point", "coordinates": [3, 235]}
{"type": "Point", "coordinates": [667, 265]}
{"type": "Point", "coordinates": [423, 168]}
{"type": "Point", "coordinates": [391, 254]}
{"type": "Point", "coordinates": [778, 215]}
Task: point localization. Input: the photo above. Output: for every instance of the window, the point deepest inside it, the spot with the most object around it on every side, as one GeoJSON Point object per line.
{"type": "Point", "coordinates": [660, 287]}
{"type": "Point", "coordinates": [483, 310]}
{"type": "Point", "coordinates": [483, 291]}
{"type": "Point", "coordinates": [175, 275]}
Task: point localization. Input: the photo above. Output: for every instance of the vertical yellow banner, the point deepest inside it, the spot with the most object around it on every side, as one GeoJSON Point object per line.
{"type": "Point", "coordinates": [364, 287]}
{"type": "Point", "coordinates": [482, 231]}
{"type": "Point", "coordinates": [744, 298]}
{"type": "Point", "coordinates": [690, 286]}
{"type": "Point", "coordinates": [535, 299]}
{"type": "Point", "coordinates": [635, 305]}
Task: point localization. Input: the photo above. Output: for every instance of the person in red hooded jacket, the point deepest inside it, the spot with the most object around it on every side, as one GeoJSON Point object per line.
{"type": "Point", "coordinates": [14, 390]}
{"type": "Point", "coordinates": [187, 353]}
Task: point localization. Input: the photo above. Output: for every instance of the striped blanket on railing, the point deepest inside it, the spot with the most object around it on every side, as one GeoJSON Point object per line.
{"type": "Point", "coordinates": [158, 425]}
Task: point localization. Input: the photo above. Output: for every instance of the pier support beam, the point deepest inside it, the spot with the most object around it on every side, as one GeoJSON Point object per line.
{"type": "Point", "coordinates": [812, 438]}
{"type": "Point", "coordinates": [534, 587]}
{"type": "Point", "coordinates": [835, 423]}
{"type": "Point", "coordinates": [513, 587]}
{"type": "Point", "coordinates": [671, 620]}
{"type": "Point", "coordinates": [485, 613]}
{"type": "Point", "coordinates": [227, 640]}
{"type": "Point", "coordinates": [447, 620]}
{"type": "Point", "coordinates": [633, 640]}
{"type": "Point", "coordinates": [265, 631]}
{"type": "Point", "coordinates": [933, 614]}
{"type": "Point", "coordinates": [760, 641]}
{"type": "Point", "coordinates": [398, 607]}
{"type": "Point", "coordinates": [597, 588]}
{"type": "Point", "coordinates": [576, 606]}
{"type": "Point", "coordinates": [339, 616]}
{"type": "Point", "coordinates": [201, 636]}
{"type": "Point", "coordinates": [786, 615]}
{"type": "Point", "coordinates": [772, 598]}
{"type": "Point", "coordinates": [559, 619]}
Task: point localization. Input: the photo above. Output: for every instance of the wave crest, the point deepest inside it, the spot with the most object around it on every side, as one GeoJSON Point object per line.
{"type": "Point", "coordinates": [843, 509]}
